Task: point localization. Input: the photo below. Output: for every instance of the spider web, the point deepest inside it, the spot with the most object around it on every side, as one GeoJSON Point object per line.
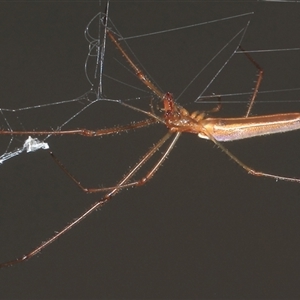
{"type": "Point", "coordinates": [11, 117]}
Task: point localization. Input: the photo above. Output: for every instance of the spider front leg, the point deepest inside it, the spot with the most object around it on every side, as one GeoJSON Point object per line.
{"type": "Point", "coordinates": [87, 132]}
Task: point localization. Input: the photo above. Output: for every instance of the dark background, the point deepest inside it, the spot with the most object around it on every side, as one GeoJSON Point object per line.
{"type": "Point", "coordinates": [202, 228]}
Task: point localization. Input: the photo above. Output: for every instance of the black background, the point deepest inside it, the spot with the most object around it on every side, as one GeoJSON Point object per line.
{"type": "Point", "coordinates": [202, 228]}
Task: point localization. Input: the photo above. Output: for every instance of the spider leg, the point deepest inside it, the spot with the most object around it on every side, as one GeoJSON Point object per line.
{"type": "Point", "coordinates": [121, 184]}
{"type": "Point", "coordinates": [148, 113]}
{"type": "Point", "coordinates": [250, 170]}
{"type": "Point", "coordinates": [258, 82]}
{"type": "Point", "coordinates": [85, 132]}
{"type": "Point", "coordinates": [139, 182]}
{"type": "Point", "coordinates": [138, 72]}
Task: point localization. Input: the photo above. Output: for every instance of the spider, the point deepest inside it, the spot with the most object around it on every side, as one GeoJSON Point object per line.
{"type": "Point", "coordinates": [177, 121]}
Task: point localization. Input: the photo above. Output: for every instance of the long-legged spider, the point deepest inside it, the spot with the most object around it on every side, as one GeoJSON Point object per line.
{"type": "Point", "coordinates": [177, 120]}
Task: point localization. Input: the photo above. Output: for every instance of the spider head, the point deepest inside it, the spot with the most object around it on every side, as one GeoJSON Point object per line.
{"type": "Point", "coordinates": [176, 117]}
{"type": "Point", "coordinates": [168, 104]}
